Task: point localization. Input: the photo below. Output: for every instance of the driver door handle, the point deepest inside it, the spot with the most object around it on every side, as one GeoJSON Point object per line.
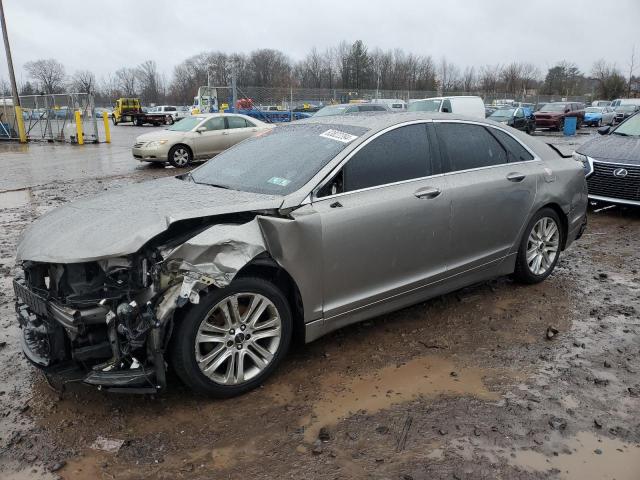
{"type": "Point", "coordinates": [224, 132]}
{"type": "Point", "coordinates": [427, 192]}
{"type": "Point", "coordinates": [516, 177]}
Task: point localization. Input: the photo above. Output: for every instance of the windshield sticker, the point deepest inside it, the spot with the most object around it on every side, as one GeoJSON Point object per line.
{"type": "Point", "coordinates": [282, 182]}
{"type": "Point", "coordinates": [338, 136]}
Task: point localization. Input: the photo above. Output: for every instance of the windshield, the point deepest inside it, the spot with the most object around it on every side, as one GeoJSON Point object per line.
{"type": "Point", "coordinates": [629, 128]}
{"type": "Point", "coordinates": [425, 106]}
{"type": "Point", "coordinates": [186, 124]}
{"type": "Point", "coordinates": [278, 162]}
{"type": "Point", "coordinates": [503, 113]}
{"type": "Point", "coordinates": [593, 110]}
{"type": "Point", "coordinates": [335, 110]}
{"type": "Point", "coordinates": [554, 107]}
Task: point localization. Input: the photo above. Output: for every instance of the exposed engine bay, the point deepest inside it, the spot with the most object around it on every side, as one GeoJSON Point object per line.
{"type": "Point", "coordinates": [114, 317]}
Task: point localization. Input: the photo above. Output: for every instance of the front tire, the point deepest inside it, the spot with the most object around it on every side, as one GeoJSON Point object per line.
{"type": "Point", "coordinates": [234, 339]}
{"type": "Point", "coordinates": [539, 248]}
{"type": "Point", "coordinates": [180, 156]}
{"type": "Point", "coordinates": [168, 120]}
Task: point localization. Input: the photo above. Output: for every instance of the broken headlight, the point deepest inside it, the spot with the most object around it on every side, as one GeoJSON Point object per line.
{"type": "Point", "coordinates": [585, 161]}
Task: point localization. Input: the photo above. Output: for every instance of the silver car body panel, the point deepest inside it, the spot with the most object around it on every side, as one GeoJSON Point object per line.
{"type": "Point", "coordinates": [122, 220]}
{"type": "Point", "coordinates": [382, 249]}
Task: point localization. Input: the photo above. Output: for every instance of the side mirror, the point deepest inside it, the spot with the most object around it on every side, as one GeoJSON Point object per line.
{"type": "Point", "coordinates": [604, 130]}
{"type": "Point", "coordinates": [566, 110]}
{"type": "Point", "coordinates": [445, 110]}
{"type": "Point", "coordinates": [201, 129]}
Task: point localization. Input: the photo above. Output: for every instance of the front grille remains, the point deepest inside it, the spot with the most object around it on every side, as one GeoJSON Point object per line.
{"type": "Point", "coordinates": [604, 183]}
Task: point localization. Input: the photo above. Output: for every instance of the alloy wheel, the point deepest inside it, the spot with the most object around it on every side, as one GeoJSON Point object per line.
{"type": "Point", "coordinates": [543, 246]}
{"type": "Point", "coordinates": [238, 338]}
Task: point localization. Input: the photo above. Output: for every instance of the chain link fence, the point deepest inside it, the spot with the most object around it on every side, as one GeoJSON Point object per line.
{"type": "Point", "coordinates": [50, 117]}
{"type": "Point", "coordinates": [297, 98]}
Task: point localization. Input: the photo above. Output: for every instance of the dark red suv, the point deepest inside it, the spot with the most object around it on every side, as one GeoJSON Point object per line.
{"type": "Point", "coordinates": [552, 115]}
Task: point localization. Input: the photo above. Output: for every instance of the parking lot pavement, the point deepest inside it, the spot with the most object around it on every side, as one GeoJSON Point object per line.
{"type": "Point", "coordinates": [474, 384]}
{"type": "Point", "coordinates": [41, 163]}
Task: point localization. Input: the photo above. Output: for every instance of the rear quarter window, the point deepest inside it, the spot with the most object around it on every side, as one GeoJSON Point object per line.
{"type": "Point", "coordinates": [515, 151]}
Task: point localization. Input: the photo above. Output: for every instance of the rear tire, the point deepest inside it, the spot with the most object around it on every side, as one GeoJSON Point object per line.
{"type": "Point", "coordinates": [180, 156]}
{"type": "Point", "coordinates": [539, 247]}
{"type": "Point", "coordinates": [215, 349]}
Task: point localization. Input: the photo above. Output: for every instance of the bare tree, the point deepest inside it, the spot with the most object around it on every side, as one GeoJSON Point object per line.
{"type": "Point", "coordinates": [269, 67]}
{"type": "Point", "coordinates": [448, 75]}
{"type": "Point", "coordinates": [83, 81]}
{"type": "Point", "coordinates": [469, 79]}
{"type": "Point", "coordinates": [49, 73]}
{"type": "Point", "coordinates": [5, 87]}
{"type": "Point", "coordinates": [148, 81]}
{"type": "Point", "coordinates": [632, 67]}
{"type": "Point", "coordinates": [488, 78]}
{"type": "Point", "coordinates": [511, 75]}
{"type": "Point", "coordinates": [611, 83]}
{"type": "Point", "coordinates": [529, 75]}
{"type": "Point", "coordinates": [127, 81]}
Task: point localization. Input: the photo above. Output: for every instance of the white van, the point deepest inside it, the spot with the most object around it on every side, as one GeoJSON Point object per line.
{"type": "Point", "coordinates": [470, 106]}
{"type": "Point", "coordinates": [625, 101]}
{"type": "Point", "coordinates": [395, 104]}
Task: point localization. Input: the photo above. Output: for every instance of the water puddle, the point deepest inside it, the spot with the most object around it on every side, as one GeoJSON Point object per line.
{"type": "Point", "coordinates": [15, 199]}
{"type": "Point", "coordinates": [615, 460]}
{"type": "Point", "coordinates": [424, 376]}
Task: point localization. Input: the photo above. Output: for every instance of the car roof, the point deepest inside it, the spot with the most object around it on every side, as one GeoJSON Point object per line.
{"type": "Point", "coordinates": [376, 122]}
{"type": "Point", "coordinates": [379, 121]}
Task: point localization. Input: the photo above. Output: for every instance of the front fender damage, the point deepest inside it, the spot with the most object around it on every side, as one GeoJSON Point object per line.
{"type": "Point", "coordinates": [213, 257]}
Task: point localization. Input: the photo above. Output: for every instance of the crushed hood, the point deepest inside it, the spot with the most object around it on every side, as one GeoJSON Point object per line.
{"type": "Point", "coordinates": [613, 148]}
{"type": "Point", "coordinates": [122, 220]}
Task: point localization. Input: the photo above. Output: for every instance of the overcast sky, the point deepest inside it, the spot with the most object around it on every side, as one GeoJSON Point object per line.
{"type": "Point", "coordinates": [105, 35]}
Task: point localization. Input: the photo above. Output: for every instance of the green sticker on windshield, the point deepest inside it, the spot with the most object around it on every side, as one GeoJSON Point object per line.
{"type": "Point", "coordinates": [283, 182]}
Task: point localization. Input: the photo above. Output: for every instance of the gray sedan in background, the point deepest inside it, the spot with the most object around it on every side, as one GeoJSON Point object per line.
{"type": "Point", "coordinates": [310, 227]}
{"type": "Point", "coordinates": [196, 137]}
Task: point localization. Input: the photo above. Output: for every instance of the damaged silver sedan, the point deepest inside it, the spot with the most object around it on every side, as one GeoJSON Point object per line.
{"type": "Point", "coordinates": [310, 227]}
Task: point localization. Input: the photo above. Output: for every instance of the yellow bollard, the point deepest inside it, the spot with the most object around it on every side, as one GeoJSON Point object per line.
{"type": "Point", "coordinates": [20, 121]}
{"type": "Point", "coordinates": [79, 128]}
{"type": "Point", "coordinates": [107, 128]}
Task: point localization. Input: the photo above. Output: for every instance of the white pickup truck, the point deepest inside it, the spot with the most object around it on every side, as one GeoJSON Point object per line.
{"type": "Point", "coordinates": [172, 113]}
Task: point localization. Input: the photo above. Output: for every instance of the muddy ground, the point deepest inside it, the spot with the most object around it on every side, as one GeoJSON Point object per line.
{"type": "Point", "coordinates": [466, 386]}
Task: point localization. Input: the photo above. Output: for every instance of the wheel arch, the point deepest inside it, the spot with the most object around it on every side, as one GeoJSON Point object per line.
{"type": "Point", "coordinates": [564, 221]}
{"type": "Point", "coordinates": [265, 267]}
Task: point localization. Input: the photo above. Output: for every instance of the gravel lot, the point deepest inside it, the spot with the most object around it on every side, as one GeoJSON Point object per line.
{"type": "Point", "coordinates": [469, 385]}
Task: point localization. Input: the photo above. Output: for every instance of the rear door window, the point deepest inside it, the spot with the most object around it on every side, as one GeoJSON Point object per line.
{"type": "Point", "coordinates": [236, 122]}
{"type": "Point", "coordinates": [401, 154]}
{"type": "Point", "coordinates": [516, 152]}
{"type": "Point", "coordinates": [468, 146]}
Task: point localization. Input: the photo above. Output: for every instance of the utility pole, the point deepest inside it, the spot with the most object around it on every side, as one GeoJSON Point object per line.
{"type": "Point", "coordinates": [12, 76]}
{"type": "Point", "coordinates": [234, 90]}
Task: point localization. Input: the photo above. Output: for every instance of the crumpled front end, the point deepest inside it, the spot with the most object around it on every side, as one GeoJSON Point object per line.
{"type": "Point", "coordinates": [114, 317]}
